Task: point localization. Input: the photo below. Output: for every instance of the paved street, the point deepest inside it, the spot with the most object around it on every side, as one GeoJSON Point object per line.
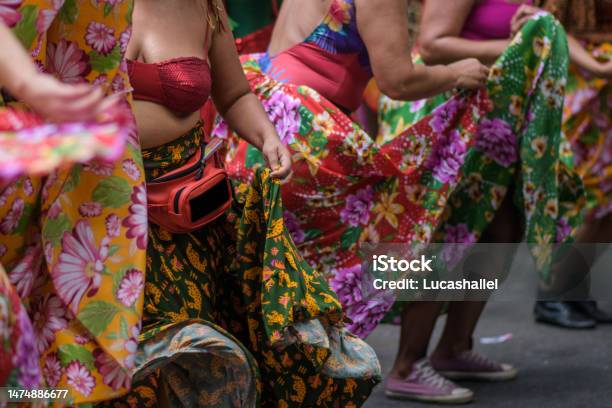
{"type": "Point", "coordinates": [559, 368]}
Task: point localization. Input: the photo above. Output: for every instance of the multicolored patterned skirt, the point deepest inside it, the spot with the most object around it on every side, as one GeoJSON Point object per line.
{"type": "Point", "coordinates": [72, 236]}
{"type": "Point", "coordinates": [518, 144]}
{"type": "Point", "coordinates": [587, 124]}
{"type": "Point", "coordinates": [348, 189]}
{"type": "Point", "coordinates": [438, 170]}
{"type": "Point", "coordinates": [234, 315]}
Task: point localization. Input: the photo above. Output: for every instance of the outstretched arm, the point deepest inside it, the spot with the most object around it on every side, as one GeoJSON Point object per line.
{"type": "Point", "coordinates": [584, 60]}
{"type": "Point", "coordinates": [46, 95]}
{"type": "Point", "coordinates": [383, 26]}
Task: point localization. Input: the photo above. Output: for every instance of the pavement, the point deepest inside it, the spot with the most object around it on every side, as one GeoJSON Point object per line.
{"type": "Point", "coordinates": [558, 368]}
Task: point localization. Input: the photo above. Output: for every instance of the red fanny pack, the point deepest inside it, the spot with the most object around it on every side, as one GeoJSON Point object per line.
{"type": "Point", "coordinates": [191, 196]}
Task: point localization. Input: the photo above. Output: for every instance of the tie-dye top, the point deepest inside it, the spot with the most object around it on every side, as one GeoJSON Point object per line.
{"type": "Point", "coordinates": [333, 60]}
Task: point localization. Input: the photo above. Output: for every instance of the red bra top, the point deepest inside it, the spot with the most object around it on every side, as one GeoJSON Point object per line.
{"type": "Point", "coordinates": [182, 85]}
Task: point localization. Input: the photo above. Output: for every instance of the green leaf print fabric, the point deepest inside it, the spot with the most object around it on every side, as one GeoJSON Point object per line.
{"type": "Point", "coordinates": [518, 145]}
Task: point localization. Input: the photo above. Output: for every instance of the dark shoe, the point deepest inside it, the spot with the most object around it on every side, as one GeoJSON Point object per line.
{"type": "Point", "coordinates": [562, 314]}
{"type": "Point", "coordinates": [589, 308]}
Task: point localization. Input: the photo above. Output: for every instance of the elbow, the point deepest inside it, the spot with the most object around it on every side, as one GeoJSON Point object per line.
{"type": "Point", "coordinates": [391, 88]}
{"type": "Point", "coordinates": [428, 53]}
{"type": "Point", "coordinates": [429, 49]}
{"type": "Point", "coordinates": [224, 101]}
{"type": "Point", "coordinates": [399, 83]}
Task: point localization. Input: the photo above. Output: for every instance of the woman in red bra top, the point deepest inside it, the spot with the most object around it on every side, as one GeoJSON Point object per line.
{"type": "Point", "coordinates": [232, 305]}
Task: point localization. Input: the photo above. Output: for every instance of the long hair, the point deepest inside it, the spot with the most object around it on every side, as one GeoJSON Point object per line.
{"type": "Point", "coordinates": [580, 16]}
{"type": "Point", "coordinates": [213, 10]}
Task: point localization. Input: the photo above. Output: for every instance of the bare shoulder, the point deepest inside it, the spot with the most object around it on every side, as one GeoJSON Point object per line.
{"type": "Point", "coordinates": [296, 20]}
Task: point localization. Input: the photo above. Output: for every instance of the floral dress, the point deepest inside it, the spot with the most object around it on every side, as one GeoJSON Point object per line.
{"type": "Point", "coordinates": [72, 236]}
{"type": "Point", "coordinates": [518, 143]}
{"type": "Point", "coordinates": [349, 190]}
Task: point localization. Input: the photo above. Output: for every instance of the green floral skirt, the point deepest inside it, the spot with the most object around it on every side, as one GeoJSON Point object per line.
{"type": "Point", "coordinates": [234, 316]}
{"type": "Point", "coordinates": [518, 146]}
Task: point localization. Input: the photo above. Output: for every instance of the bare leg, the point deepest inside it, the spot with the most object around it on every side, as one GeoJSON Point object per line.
{"type": "Point", "coordinates": [418, 322]}
{"type": "Point", "coordinates": [570, 274]}
{"type": "Point", "coordinates": [460, 325]}
{"type": "Point", "coordinates": [419, 318]}
{"type": "Point", "coordinates": [596, 231]}
{"type": "Point", "coordinates": [463, 316]}
{"type": "Point", "coordinates": [570, 286]}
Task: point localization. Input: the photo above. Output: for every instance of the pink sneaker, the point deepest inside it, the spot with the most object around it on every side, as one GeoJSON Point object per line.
{"type": "Point", "coordinates": [426, 385]}
{"type": "Point", "coordinates": [470, 365]}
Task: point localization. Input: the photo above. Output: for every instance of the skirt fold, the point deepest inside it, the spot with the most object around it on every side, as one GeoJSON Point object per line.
{"type": "Point", "coordinates": [519, 146]}
{"type": "Point", "coordinates": [239, 288]}
{"type": "Point", "coordinates": [349, 189]}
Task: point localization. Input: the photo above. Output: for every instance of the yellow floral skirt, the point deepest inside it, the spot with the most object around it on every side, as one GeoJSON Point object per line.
{"type": "Point", "coordinates": [73, 236]}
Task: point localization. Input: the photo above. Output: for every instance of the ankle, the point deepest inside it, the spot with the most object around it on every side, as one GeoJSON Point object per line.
{"type": "Point", "coordinates": [403, 367]}
{"type": "Point", "coordinates": [400, 373]}
{"type": "Point", "coordinates": [448, 351]}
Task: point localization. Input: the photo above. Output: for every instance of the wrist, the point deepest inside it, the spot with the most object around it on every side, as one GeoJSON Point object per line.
{"type": "Point", "coordinates": [453, 76]}
{"type": "Point", "coordinates": [604, 70]}
{"type": "Point", "coordinates": [22, 88]}
{"type": "Point", "coordinates": [268, 135]}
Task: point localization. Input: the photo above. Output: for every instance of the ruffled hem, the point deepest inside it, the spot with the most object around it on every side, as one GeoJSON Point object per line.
{"type": "Point", "coordinates": [294, 319]}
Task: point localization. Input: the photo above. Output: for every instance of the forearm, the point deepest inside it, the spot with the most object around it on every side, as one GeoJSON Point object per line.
{"type": "Point", "coordinates": [16, 66]}
{"type": "Point", "coordinates": [420, 81]}
{"type": "Point", "coordinates": [446, 50]}
{"type": "Point", "coordinates": [248, 119]}
{"type": "Point", "coordinates": [582, 58]}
